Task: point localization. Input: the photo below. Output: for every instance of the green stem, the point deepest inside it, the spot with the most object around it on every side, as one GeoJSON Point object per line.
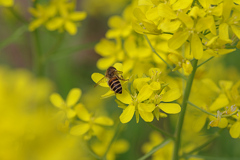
{"type": "Point", "coordinates": [112, 141]}
{"type": "Point", "coordinates": [156, 148]}
{"type": "Point", "coordinates": [89, 149]}
{"type": "Point", "coordinates": [17, 15]}
{"type": "Point", "coordinates": [200, 147]}
{"type": "Point", "coordinates": [39, 65]}
{"type": "Point", "coordinates": [57, 44]}
{"type": "Point", "coordinates": [183, 110]}
{"type": "Point", "coordinates": [222, 116]}
{"type": "Point", "coordinates": [154, 51]}
{"type": "Point", "coordinates": [66, 52]}
{"type": "Point", "coordinates": [205, 61]}
{"type": "Point", "coordinates": [202, 109]}
{"type": "Point", "coordinates": [161, 131]}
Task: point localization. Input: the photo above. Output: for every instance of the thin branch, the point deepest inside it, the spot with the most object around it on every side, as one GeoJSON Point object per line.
{"type": "Point", "coordinates": [205, 61]}
{"type": "Point", "coordinates": [112, 141]}
{"type": "Point", "coordinates": [154, 51]}
{"type": "Point", "coordinates": [222, 116]}
{"type": "Point", "coordinates": [156, 148]}
{"type": "Point", "coordinates": [200, 147]}
{"type": "Point", "coordinates": [161, 131]}
{"type": "Point", "coordinates": [17, 15]}
{"type": "Point", "coordinates": [186, 94]}
{"type": "Point", "coordinates": [202, 109]}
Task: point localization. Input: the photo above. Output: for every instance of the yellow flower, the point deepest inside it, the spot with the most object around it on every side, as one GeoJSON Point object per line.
{"type": "Point", "coordinates": [149, 94]}
{"type": "Point", "coordinates": [89, 125]}
{"type": "Point", "coordinates": [66, 21]}
{"type": "Point", "coordinates": [120, 26]}
{"type": "Point", "coordinates": [27, 128]}
{"type": "Point", "coordinates": [136, 104]}
{"type": "Point", "coordinates": [99, 79]}
{"type": "Point", "coordinates": [118, 147]}
{"type": "Point", "coordinates": [235, 128]}
{"type": "Point", "coordinates": [180, 62]}
{"type": "Point", "coordinates": [155, 139]}
{"type": "Point", "coordinates": [142, 25]}
{"type": "Point", "coordinates": [111, 52]}
{"type": "Point", "coordinates": [57, 15]}
{"type": "Point", "coordinates": [66, 106]}
{"type": "Point", "coordinates": [6, 3]}
{"type": "Point", "coordinates": [42, 14]}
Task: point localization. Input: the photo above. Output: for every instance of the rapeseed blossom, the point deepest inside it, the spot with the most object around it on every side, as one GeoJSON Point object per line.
{"type": "Point", "coordinates": [118, 147]}
{"type": "Point", "coordinates": [89, 125]}
{"type": "Point", "coordinates": [189, 29]}
{"type": "Point", "coordinates": [148, 95]}
{"type": "Point", "coordinates": [28, 128]}
{"type": "Point", "coordinates": [57, 15]}
{"type": "Point", "coordinates": [6, 3]}
{"type": "Point", "coordinates": [66, 106]}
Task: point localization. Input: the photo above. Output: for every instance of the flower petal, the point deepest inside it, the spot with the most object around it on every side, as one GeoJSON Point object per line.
{"type": "Point", "coordinates": [127, 114]}
{"type": "Point", "coordinates": [80, 129]}
{"type": "Point", "coordinates": [155, 85]}
{"type": "Point", "coordinates": [105, 121]}
{"type": "Point", "coordinates": [146, 107]}
{"type": "Point", "coordinates": [166, 11]}
{"type": "Point", "coordinates": [146, 116]}
{"type": "Point", "coordinates": [78, 16]}
{"type": "Point", "coordinates": [82, 112]}
{"type": "Point", "coordinates": [144, 93]}
{"type": "Point", "coordinates": [220, 102]}
{"type": "Point", "coordinates": [54, 24]}
{"type": "Point", "coordinates": [196, 46]}
{"type": "Point", "coordinates": [223, 123]}
{"type": "Point", "coordinates": [104, 63]}
{"type": "Point", "coordinates": [199, 122]}
{"type": "Point", "coordinates": [138, 83]}
{"type": "Point", "coordinates": [70, 27]}
{"type": "Point", "coordinates": [99, 79]}
{"type": "Point", "coordinates": [70, 113]}
{"type": "Point", "coordinates": [73, 96]}
{"type": "Point", "coordinates": [108, 94]}
{"type": "Point", "coordinates": [125, 97]}
{"type": "Point", "coordinates": [171, 95]}
{"type": "Point", "coordinates": [171, 108]}
{"type": "Point", "coordinates": [56, 100]}
{"type": "Point", "coordinates": [235, 130]}
{"type": "Point", "coordinates": [178, 39]}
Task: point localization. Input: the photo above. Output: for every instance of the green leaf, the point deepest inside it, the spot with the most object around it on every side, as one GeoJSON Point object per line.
{"type": "Point", "coordinates": [18, 33]}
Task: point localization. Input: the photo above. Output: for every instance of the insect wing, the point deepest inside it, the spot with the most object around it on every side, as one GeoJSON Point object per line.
{"type": "Point", "coordinates": [119, 75]}
{"type": "Point", "coordinates": [103, 80]}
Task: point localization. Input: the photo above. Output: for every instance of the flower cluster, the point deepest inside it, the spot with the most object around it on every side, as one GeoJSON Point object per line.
{"type": "Point", "coordinates": [150, 96]}
{"type": "Point", "coordinates": [27, 128]}
{"type": "Point", "coordinates": [57, 15]}
{"type": "Point", "coordinates": [221, 109]}
{"type": "Point", "coordinates": [7, 3]}
{"type": "Point", "coordinates": [86, 124]}
{"type": "Point", "coordinates": [192, 24]}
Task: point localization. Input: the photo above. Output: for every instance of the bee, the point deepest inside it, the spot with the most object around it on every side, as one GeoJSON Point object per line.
{"type": "Point", "coordinates": [113, 76]}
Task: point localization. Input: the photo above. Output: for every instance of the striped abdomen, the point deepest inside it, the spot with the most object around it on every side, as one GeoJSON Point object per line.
{"type": "Point", "coordinates": [115, 85]}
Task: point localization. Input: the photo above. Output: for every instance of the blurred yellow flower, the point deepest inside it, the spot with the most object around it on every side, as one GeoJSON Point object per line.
{"type": "Point", "coordinates": [66, 21]}
{"type": "Point", "coordinates": [89, 125]}
{"type": "Point", "coordinates": [155, 139]}
{"type": "Point", "coordinates": [119, 146]}
{"type": "Point", "coordinates": [57, 15]}
{"type": "Point", "coordinates": [66, 107]}
{"type": "Point", "coordinates": [28, 128]}
{"type": "Point", "coordinates": [6, 3]}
